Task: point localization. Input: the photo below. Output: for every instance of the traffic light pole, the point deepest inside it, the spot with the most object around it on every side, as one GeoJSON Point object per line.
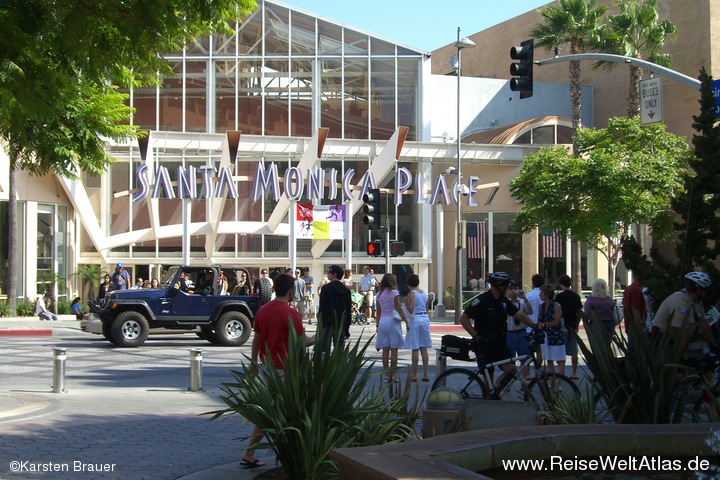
{"type": "Point", "coordinates": [635, 62]}
{"type": "Point", "coordinates": [387, 233]}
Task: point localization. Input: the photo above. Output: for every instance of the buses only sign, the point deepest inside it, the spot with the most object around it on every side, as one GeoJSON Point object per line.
{"type": "Point", "coordinates": [651, 100]}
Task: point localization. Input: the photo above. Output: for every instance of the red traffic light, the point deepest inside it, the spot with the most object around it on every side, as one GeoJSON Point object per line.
{"type": "Point", "coordinates": [374, 249]}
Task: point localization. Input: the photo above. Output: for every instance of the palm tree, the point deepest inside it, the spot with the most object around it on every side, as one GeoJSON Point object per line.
{"type": "Point", "coordinates": [579, 24]}
{"type": "Point", "coordinates": [89, 276]}
{"type": "Point", "coordinates": [634, 31]}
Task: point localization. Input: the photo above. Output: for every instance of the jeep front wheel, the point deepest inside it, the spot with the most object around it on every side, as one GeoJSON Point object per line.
{"type": "Point", "coordinates": [130, 329]}
{"type": "Point", "coordinates": [232, 329]}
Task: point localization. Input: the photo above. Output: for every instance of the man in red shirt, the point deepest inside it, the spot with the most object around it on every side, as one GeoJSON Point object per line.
{"type": "Point", "coordinates": [634, 308]}
{"type": "Point", "coordinates": [272, 332]}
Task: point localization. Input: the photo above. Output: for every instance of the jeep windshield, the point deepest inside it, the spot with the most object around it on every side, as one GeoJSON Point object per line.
{"type": "Point", "coordinates": [167, 280]}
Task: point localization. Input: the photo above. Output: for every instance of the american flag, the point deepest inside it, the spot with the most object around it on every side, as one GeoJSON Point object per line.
{"type": "Point", "coordinates": [476, 239]}
{"type": "Point", "coordinates": [552, 244]}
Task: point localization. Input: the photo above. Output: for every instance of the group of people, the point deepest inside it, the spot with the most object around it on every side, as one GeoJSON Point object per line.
{"type": "Point", "coordinates": [391, 313]}
{"type": "Point", "coordinates": [506, 312]}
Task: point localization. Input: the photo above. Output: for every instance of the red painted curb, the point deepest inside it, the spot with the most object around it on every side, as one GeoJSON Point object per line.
{"type": "Point", "coordinates": [447, 328]}
{"type": "Point", "coordinates": [25, 333]}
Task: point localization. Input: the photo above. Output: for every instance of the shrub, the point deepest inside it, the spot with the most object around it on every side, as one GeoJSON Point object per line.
{"type": "Point", "coordinates": [63, 307]}
{"type": "Point", "coordinates": [4, 309]}
{"type": "Point", "coordinates": [323, 401]}
{"type": "Point", "coordinates": [25, 308]}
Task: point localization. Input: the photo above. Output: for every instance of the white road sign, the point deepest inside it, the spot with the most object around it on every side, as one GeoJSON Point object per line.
{"type": "Point", "coordinates": [651, 100]}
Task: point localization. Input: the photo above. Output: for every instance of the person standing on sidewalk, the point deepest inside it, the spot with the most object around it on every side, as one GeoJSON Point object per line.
{"type": "Point", "coordinates": [389, 329]}
{"type": "Point", "coordinates": [272, 333]}
{"type": "Point", "coordinates": [368, 284]}
{"type": "Point", "coordinates": [41, 310]}
{"type": "Point", "coordinates": [634, 308]}
{"type": "Point", "coordinates": [335, 310]}
{"type": "Point", "coordinates": [572, 313]}
{"type": "Point", "coordinates": [418, 338]}
{"type": "Point", "coordinates": [516, 330]}
{"type": "Point", "coordinates": [120, 280]}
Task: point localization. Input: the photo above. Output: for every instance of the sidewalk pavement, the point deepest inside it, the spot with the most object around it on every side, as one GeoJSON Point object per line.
{"type": "Point", "coordinates": [118, 407]}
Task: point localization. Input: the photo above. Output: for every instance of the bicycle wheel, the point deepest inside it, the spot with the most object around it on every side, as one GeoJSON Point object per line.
{"type": "Point", "coordinates": [706, 408]}
{"type": "Point", "coordinates": [559, 386]}
{"type": "Point", "coordinates": [466, 382]}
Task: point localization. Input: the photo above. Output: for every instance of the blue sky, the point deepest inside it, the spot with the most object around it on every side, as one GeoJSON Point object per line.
{"type": "Point", "coordinates": [422, 24]}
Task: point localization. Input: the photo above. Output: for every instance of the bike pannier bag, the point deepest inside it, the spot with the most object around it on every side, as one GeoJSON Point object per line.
{"type": "Point", "coordinates": [455, 347]}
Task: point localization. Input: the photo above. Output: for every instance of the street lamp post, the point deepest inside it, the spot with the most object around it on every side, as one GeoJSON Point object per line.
{"type": "Point", "coordinates": [461, 43]}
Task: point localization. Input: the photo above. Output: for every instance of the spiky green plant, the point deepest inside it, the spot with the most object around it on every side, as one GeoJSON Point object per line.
{"type": "Point", "coordinates": [640, 385]}
{"type": "Point", "coordinates": [320, 402]}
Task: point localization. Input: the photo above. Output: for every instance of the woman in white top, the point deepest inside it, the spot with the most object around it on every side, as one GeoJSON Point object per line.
{"type": "Point", "coordinates": [389, 329]}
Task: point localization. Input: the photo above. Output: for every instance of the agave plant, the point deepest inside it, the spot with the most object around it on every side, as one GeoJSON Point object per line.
{"type": "Point", "coordinates": [320, 402]}
{"type": "Point", "coordinates": [639, 385]}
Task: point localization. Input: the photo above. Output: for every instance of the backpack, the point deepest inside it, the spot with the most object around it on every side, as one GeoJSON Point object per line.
{"type": "Point", "coordinates": [265, 290]}
{"type": "Point", "coordinates": [617, 313]}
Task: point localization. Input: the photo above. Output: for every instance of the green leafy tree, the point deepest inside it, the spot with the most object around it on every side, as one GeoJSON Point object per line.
{"type": "Point", "coordinates": [577, 23]}
{"type": "Point", "coordinates": [57, 66]}
{"type": "Point", "coordinates": [637, 31]}
{"type": "Point", "coordinates": [627, 174]}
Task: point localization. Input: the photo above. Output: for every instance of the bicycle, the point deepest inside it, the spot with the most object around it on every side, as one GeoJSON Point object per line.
{"type": "Point", "coordinates": [701, 389]}
{"type": "Point", "coordinates": [544, 387]}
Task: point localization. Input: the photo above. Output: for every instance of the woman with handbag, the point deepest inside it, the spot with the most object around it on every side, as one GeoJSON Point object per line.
{"type": "Point", "coordinates": [550, 321]}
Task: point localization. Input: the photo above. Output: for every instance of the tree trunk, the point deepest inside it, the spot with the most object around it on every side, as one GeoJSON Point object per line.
{"type": "Point", "coordinates": [12, 241]}
{"type": "Point", "coordinates": [575, 102]}
{"type": "Point", "coordinates": [576, 263]}
{"type": "Point", "coordinates": [634, 92]}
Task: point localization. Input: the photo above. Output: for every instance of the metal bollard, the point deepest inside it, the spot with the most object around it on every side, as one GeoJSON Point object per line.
{"type": "Point", "coordinates": [195, 370]}
{"type": "Point", "coordinates": [59, 357]}
{"type": "Point", "coordinates": [440, 362]}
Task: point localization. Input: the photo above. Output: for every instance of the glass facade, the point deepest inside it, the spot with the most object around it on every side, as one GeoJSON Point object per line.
{"type": "Point", "coordinates": [283, 73]}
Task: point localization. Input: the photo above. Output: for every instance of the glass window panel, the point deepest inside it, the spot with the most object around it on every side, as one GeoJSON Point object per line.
{"type": "Point", "coordinates": [45, 244]}
{"type": "Point", "coordinates": [355, 43]}
{"type": "Point", "coordinates": [119, 206]}
{"type": "Point", "coordinates": [171, 100]}
{"type": "Point", "coordinates": [405, 51]}
{"type": "Point", "coordinates": [225, 82]}
{"type": "Point", "coordinates": [250, 34]}
{"type": "Point", "coordinates": [195, 96]}
{"type": "Point", "coordinates": [357, 97]}
{"type": "Point", "coordinates": [61, 230]}
{"type": "Point", "coordinates": [199, 46]}
{"type": "Point", "coordinates": [224, 44]}
{"type": "Point", "coordinates": [249, 97]}
{"type": "Point", "coordinates": [329, 38]}
{"type": "Point", "coordinates": [382, 104]}
{"type": "Point", "coordinates": [331, 97]}
{"type": "Point", "coordinates": [544, 135]}
{"type": "Point", "coordinates": [381, 47]}
{"type": "Point", "coordinates": [408, 73]}
{"type": "Point", "coordinates": [524, 139]}
{"type": "Point", "coordinates": [301, 87]}
{"type": "Point", "coordinates": [247, 209]}
{"type": "Point", "coordinates": [277, 30]}
{"type": "Point", "coordinates": [303, 34]}
{"type": "Point", "coordinates": [277, 85]}
{"type": "Point", "coordinates": [507, 241]}
{"type": "Point", "coordinates": [564, 134]}
{"type": "Point", "coordinates": [145, 102]}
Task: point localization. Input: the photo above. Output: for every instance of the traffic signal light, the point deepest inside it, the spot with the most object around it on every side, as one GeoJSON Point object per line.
{"type": "Point", "coordinates": [374, 248]}
{"type": "Point", "coordinates": [523, 70]}
{"type": "Point", "coordinates": [397, 249]}
{"type": "Point", "coordinates": [371, 209]}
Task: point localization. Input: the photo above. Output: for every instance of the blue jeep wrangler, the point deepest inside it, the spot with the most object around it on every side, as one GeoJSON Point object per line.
{"type": "Point", "coordinates": [128, 315]}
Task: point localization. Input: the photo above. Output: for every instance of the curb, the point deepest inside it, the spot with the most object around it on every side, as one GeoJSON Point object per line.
{"type": "Point", "coordinates": [25, 332]}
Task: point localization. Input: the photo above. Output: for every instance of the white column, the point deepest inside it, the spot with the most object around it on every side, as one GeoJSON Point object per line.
{"type": "Point", "coordinates": [439, 263]}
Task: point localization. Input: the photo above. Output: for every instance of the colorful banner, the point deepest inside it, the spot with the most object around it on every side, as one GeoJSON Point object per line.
{"type": "Point", "coordinates": [320, 222]}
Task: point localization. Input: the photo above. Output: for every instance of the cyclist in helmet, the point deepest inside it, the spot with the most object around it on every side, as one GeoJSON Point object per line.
{"type": "Point", "coordinates": [682, 310]}
{"type": "Point", "coordinates": [486, 320]}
